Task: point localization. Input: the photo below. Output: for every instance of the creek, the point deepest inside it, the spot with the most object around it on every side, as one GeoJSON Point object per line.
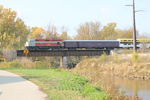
{"type": "Point", "coordinates": [130, 87]}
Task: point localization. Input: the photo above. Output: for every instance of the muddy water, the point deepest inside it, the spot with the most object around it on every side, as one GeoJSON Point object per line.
{"type": "Point", "coordinates": [130, 87]}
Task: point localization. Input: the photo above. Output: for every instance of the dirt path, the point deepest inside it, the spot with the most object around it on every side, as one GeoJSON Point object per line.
{"type": "Point", "coordinates": [14, 87]}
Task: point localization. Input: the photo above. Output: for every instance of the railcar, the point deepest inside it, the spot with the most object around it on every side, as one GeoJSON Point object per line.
{"type": "Point", "coordinates": [128, 43]}
{"type": "Point", "coordinates": [95, 44]}
{"type": "Point", "coordinates": [38, 44]}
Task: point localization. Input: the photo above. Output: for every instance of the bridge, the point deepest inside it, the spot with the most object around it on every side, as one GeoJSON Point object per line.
{"type": "Point", "coordinates": [61, 53]}
{"type": "Point", "coordinates": [37, 53]}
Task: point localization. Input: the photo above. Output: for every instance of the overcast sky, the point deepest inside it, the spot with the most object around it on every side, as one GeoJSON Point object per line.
{"type": "Point", "coordinates": [72, 13]}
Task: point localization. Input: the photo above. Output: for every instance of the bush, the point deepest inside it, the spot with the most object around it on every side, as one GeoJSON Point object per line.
{"type": "Point", "coordinates": [93, 92]}
{"type": "Point", "coordinates": [55, 64]}
{"type": "Point", "coordinates": [135, 57]}
{"type": "Point", "coordinates": [27, 63]}
{"type": "Point", "coordinates": [4, 65]}
{"type": "Point", "coordinates": [116, 59]}
{"type": "Point", "coordinates": [15, 64]}
{"type": "Point", "coordinates": [40, 64]}
{"type": "Point", "coordinates": [103, 57]}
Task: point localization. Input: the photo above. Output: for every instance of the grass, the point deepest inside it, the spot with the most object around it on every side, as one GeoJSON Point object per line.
{"type": "Point", "coordinates": [61, 85]}
{"type": "Point", "coordinates": [133, 65]}
{"type": "Point", "coordinates": [122, 65]}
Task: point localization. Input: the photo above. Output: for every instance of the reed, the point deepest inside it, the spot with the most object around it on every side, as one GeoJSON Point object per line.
{"type": "Point", "coordinates": [120, 65]}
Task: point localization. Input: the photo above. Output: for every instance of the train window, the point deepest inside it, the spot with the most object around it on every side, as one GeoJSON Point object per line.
{"type": "Point", "coordinates": [124, 43]}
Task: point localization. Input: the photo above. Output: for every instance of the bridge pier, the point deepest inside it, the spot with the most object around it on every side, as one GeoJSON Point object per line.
{"type": "Point", "coordinates": [61, 62]}
{"type": "Point", "coordinates": [65, 61]}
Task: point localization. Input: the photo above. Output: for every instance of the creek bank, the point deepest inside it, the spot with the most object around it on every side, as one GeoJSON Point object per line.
{"type": "Point", "coordinates": [115, 66]}
{"type": "Point", "coordinates": [130, 67]}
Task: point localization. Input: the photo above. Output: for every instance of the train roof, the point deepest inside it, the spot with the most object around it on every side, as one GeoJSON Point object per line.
{"type": "Point", "coordinates": [48, 39]}
{"type": "Point", "coordinates": [131, 40]}
{"type": "Point", "coordinates": [45, 39]}
{"type": "Point", "coordinates": [90, 40]}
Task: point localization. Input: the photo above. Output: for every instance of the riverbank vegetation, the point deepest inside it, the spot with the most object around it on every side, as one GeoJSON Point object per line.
{"type": "Point", "coordinates": [134, 66]}
{"type": "Point", "coordinates": [121, 65]}
{"type": "Point", "coordinates": [61, 85]}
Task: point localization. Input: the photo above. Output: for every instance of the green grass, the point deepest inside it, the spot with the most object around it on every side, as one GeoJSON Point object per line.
{"type": "Point", "coordinates": [62, 85]}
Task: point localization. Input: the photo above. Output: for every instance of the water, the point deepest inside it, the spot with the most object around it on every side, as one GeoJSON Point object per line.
{"type": "Point", "coordinates": [130, 87]}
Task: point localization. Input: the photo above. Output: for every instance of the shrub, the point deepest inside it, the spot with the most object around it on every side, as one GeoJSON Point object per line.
{"type": "Point", "coordinates": [55, 64]}
{"type": "Point", "coordinates": [15, 64]}
{"type": "Point", "coordinates": [135, 57]}
{"type": "Point", "coordinates": [93, 92]}
{"type": "Point", "coordinates": [4, 65]}
{"type": "Point", "coordinates": [40, 64]}
{"type": "Point", "coordinates": [27, 63]}
{"type": "Point", "coordinates": [103, 57]}
{"type": "Point", "coordinates": [116, 59]}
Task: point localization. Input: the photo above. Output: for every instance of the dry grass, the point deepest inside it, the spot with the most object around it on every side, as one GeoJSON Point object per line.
{"type": "Point", "coordinates": [25, 63]}
{"type": "Point", "coordinates": [123, 65]}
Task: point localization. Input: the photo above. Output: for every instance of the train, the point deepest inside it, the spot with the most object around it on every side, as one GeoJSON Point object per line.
{"type": "Point", "coordinates": [59, 44]}
{"type": "Point", "coordinates": [128, 43]}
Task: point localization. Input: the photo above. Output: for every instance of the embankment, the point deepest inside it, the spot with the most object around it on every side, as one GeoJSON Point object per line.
{"type": "Point", "coordinates": [131, 66]}
{"type": "Point", "coordinates": [136, 66]}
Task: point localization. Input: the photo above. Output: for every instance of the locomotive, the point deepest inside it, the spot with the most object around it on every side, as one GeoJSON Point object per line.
{"type": "Point", "coordinates": [59, 44]}
{"type": "Point", "coordinates": [53, 44]}
{"type": "Point", "coordinates": [38, 44]}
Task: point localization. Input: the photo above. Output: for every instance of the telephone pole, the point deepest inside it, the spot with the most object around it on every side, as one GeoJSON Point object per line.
{"type": "Point", "coordinates": [134, 28]}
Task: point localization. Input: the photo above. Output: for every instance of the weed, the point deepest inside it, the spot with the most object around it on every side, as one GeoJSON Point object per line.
{"type": "Point", "coordinates": [135, 57]}
{"type": "Point", "coordinates": [15, 64]}
{"type": "Point", "coordinates": [118, 65]}
{"type": "Point", "coordinates": [103, 58]}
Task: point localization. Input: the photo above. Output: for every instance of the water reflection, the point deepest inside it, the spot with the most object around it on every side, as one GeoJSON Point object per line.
{"type": "Point", "coordinates": [130, 87]}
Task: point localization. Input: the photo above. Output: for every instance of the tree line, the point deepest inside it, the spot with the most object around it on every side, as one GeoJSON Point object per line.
{"type": "Point", "coordinates": [14, 32]}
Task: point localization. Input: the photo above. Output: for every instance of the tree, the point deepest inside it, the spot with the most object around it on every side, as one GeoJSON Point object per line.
{"type": "Point", "coordinates": [89, 31]}
{"type": "Point", "coordinates": [109, 32]}
{"type": "Point", "coordinates": [125, 33]}
{"type": "Point", "coordinates": [51, 32]}
{"type": "Point", "coordinates": [64, 34]}
{"type": "Point", "coordinates": [13, 31]}
{"type": "Point", "coordinates": [37, 32]}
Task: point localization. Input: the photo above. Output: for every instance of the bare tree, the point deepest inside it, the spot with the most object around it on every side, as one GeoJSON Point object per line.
{"type": "Point", "coordinates": [89, 31]}
{"type": "Point", "coordinates": [64, 34]}
{"type": "Point", "coordinates": [51, 31]}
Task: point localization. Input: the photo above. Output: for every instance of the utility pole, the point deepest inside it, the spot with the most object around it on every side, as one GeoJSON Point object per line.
{"type": "Point", "coordinates": [134, 28]}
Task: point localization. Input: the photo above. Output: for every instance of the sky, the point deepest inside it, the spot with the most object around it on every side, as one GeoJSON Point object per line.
{"type": "Point", "coordinates": [72, 13]}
